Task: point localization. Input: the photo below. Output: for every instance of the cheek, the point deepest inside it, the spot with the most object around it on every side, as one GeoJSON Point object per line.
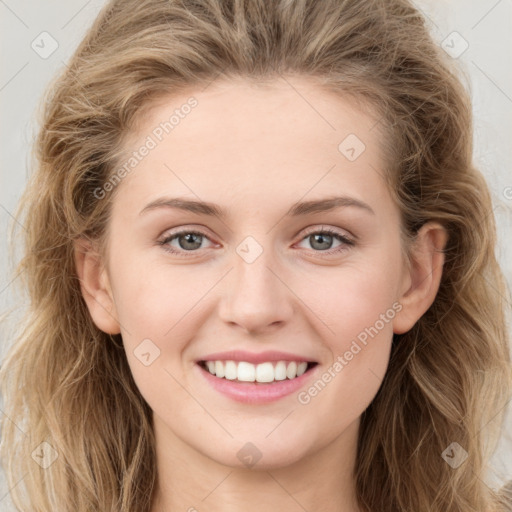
{"type": "Point", "coordinates": [352, 298]}
{"type": "Point", "coordinates": [359, 354]}
{"type": "Point", "coordinates": [160, 308]}
{"type": "Point", "coordinates": [354, 308]}
{"type": "Point", "coordinates": [152, 297]}
{"type": "Point", "coordinates": [156, 310]}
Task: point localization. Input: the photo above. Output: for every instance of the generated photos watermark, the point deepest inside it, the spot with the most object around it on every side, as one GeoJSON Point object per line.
{"type": "Point", "coordinates": [305, 397]}
{"type": "Point", "coordinates": [151, 142]}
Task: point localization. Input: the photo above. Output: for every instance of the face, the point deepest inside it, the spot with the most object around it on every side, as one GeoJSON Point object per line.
{"type": "Point", "coordinates": [277, 276]}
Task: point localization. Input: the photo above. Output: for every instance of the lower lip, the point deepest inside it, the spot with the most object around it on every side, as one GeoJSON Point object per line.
{"type": "Point", "coordinates": [255, 392]}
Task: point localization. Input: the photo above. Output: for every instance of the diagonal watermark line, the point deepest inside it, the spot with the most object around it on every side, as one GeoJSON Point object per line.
{"type": "Point", "coordinates": [75, 15]}
{"type": "Point", "coordinates": [486, 14]}
{"type": "Point", "coordinates": [376, 123]}
{"type": "Point", "coordinates": [2, 1]}
{"type": "Point", "coordinates": [382, 176]}
{"type": "Point", "coordinates": [307, 102]}
{"type": "Point", "coordinates": [215, 488]}
{"type": "Point", "coordinates": [212, 80]}
{"type": "Point", "coordinates": [13, 422]}
{"type": "Point", "coordinates": [199, 403]}
{"type": "Point", "coordinates": [505, 299]}
{"type": "Point", "coordinates": [12, 216]}
{"type": "Point", "coordinates": [492, 81]}
{"type": "Point", "coordinates": [498, 412]}
{"type": "Point", "coordinates": [198, 301]}
{"type": "Point", "coordinates": [287, 492]}
{"type": "Point", "coordinates": [11, 281]}
{"type": "Point", "coordinates": [377, 377]}
{"type": "Point", "coordinates": [301, 300]}
{"type": "Point", "coordinates": [280, 423]}
{"type": "Point", "coordinates": [14, 76]}
{"type": "Point", "coordinates": [482, 480]}
{"type": "Point", "coordinates": [17, 483]}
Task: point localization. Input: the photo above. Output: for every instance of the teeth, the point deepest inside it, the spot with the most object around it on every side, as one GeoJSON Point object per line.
{"type": "Point", "coordinates": [219, 369]}
{"type": "Point", "coordinates": [230, 370]}
{"type": "Point", "coordinates": [291, 371]}
{"type": "Point", "coordinates": [263, 372]}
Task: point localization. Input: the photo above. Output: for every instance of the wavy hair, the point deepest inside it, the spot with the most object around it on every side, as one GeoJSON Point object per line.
{"type": "Point", "coordinates": [67, 383]}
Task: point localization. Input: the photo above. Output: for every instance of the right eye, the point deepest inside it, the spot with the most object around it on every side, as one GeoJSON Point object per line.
{"type": "Point", "coordinates": [186, 241]}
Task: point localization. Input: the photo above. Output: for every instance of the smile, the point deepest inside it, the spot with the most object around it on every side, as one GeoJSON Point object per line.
{"type": "Point", "coordinates": [266, 372]}
{"type": "Point", "coordinates": [259, 383]}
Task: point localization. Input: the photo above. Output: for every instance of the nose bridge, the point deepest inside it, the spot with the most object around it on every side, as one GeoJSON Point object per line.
{"type": "Point", "coordinates": [255, 296]}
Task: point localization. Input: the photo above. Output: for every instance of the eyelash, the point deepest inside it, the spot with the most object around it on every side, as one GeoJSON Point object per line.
{"type": "Point", "coordinates": [346, 242]}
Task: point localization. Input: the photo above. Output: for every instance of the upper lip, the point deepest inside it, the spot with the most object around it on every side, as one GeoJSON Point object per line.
{"type": "Point", "coordinates": [254, 358]}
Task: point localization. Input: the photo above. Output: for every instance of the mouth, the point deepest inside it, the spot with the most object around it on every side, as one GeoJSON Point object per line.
{"type": "Point", "coordinates": [264, 373]}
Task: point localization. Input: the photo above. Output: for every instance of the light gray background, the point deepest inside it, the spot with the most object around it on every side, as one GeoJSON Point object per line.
{"type": "Point", "coordinates": [483, 24]}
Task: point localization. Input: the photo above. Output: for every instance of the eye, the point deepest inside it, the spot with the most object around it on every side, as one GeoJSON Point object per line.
{"type": "Point", "coordinates": [181, 242]}
{"type": "Point", "coordinates": [322, 240]}
{"type": "Point", "coordinates": [186, 241]}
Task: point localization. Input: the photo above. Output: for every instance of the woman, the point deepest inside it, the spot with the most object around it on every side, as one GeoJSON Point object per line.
{"type": "Point", "coordinates": [257, 368]}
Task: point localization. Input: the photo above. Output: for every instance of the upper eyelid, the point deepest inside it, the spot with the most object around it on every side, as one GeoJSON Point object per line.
{"type": "Point", "coordinates": [171, 234]}
{"type": "Point", "coordinates": [322, 228]}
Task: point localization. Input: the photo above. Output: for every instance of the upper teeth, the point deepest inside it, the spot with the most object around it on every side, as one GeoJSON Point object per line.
{"type": "Point", "coordinates": [263, 372]}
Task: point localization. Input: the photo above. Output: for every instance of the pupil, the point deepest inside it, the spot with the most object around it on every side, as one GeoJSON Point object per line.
{"type": "Point", "coordinates": [189, 239]}
{"type": "Point", "coordinates": [321, 237]}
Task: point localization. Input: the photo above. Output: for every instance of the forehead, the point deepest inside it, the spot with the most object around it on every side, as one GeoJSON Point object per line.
{"type": "Point", "coordinates": [247, 108]}
{"type": "Point", "coordinates": [286, 134]}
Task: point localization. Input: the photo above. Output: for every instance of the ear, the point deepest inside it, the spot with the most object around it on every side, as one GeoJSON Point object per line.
{"type": "Point", "coordinates": [423, 277]}
{"type": "Point", "coordinates": [95, 286]}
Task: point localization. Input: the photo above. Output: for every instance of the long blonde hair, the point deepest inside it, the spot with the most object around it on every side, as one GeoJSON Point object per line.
{"type": "Point", "coordinates": [66, 383]}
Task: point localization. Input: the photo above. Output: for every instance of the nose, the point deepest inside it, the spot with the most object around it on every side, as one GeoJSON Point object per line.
{"type": "Point", "coordinates": [257, 298]}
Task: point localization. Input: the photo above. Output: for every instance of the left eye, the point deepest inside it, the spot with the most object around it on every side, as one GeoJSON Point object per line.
{"type": "Point", "coordinates": [190, 241]}
{"type": "Point", "coordinates": [319, 240]}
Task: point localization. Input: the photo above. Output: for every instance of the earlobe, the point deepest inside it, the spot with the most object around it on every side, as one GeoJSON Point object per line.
{"type": "Point", "coordinates": [95, 287]}
{"type": "Point", "coordinates": [424, 276]}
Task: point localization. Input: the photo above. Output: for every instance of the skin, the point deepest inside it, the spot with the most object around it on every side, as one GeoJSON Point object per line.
{"type": "Point", "coordinates": [255, 151]}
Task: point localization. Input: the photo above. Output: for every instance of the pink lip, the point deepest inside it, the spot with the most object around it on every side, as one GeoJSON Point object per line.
{"type": "Point", "coordinates": [250, 357]}
{"type": "Point", "coordinates": [255, 392]}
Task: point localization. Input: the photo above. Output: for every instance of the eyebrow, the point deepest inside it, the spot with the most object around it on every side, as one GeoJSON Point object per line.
{"type": "Point", "coordinates": [296, 210]}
